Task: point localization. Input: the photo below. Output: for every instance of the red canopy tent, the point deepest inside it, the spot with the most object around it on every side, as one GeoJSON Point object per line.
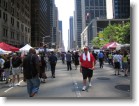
{"type": "Point", "coordinates": [111, 45]}
{"type": "Point", "coordinates": [8, 47]}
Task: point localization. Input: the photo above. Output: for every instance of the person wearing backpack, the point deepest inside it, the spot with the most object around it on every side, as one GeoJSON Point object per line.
{"type": "Point", "coordinates": [31, 70]}
{"type": "Point", "coordinates": [15, 65]}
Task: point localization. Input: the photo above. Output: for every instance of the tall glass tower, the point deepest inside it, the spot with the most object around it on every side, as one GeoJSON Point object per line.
{"type": "Point", "coordinates": [121, 9]}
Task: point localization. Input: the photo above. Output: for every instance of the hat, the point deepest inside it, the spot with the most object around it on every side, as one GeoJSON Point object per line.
{"type": "Point", "coordinates": [85, 49]}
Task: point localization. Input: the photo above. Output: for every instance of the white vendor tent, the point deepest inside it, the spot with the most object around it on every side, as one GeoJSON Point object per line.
{"type": "Point", "coordinates": [4, 51]}
{"type": "Point", "coordinates": [25, 48]}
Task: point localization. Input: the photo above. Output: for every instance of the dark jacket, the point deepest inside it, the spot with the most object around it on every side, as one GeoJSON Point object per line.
{"type": "Point", "coordinates": [29, 66]}
{"type": "Point", "coordinates": [53, 59]}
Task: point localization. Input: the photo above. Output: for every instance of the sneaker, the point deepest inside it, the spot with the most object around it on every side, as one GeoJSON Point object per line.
{"type": "Point", "coordinates": [18, 84]}
{"type": "Point", "coordinates": [84, 88]}
{"type": "Point", "coordinates": [90, 84]}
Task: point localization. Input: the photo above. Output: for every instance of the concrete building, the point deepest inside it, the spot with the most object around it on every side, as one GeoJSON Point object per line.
{"type": "Point", "coordinates": [92, 9]}
{"type": "Point", "coordinates": [15, 27]}
{"type": "Point", "coordinates": [60, 39]}
{"type": "Point", "coordinates": [118, 9]}
{"type": "Point", "coordinates": [55, 35]}
{"type": "Point", "coordinates": [95, 26]}
{"type": "Point", "coordinates": [121, 9]}
{"type": "Point", "coordinates": [71, 37]}
{"type": "Point", "coordinates": [42, 23]}
{"type": "Point", "coordinates": [78, 23]}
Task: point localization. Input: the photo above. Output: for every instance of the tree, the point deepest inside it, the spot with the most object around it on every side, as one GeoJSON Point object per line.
{"type": "Point", "coordinates": [113, 33]}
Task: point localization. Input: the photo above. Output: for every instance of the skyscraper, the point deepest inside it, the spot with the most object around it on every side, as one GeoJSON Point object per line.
{"type": "Point", "coordinates": [121, 9]}
{"type": "Point", "coordinates": [78, 22]}
{"type": "Point", "coordinates": [40, 22]}
{"type": "Point", "coordinates": [71, 41]}
{"type": "Point", "coordinates": [60, 37]}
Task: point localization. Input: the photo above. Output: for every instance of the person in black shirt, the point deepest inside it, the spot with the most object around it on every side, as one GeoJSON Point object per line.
{"type": "Point", "coordinates": [53, 61]}
{"type": "Point", "coordinates": [31, 70]}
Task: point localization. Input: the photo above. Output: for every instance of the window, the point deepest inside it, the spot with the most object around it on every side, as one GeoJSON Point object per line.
{"type": "Point", "coordinates": [17, 24]}
{"type": "Point", "coordinates": [22, 27]}
{"type": "Point", "coordinates": [12, 35]}
{"type": "Point", "coordinates": [5, 16]}
{"type": "Point", "coordinates": [5, 32]}
{"type": "Point", "coordinates": [17, 36]}
{"type": "Point", "coordinates": [12, 20]}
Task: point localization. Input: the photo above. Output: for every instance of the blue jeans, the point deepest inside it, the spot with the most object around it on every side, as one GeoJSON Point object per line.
{"type": "Point", "coordinates": [33, 85]}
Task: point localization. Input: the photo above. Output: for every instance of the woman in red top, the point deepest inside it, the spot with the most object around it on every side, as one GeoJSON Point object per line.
{"type": "Point", "coordinates": [87, 62]}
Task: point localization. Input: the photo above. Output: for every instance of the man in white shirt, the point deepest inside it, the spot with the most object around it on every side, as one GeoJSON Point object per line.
{"type": "Point", "coordinates": [116, 61]}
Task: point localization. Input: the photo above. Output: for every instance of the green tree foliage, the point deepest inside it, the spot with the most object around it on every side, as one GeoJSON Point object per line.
{"type": "Point", "coordinates": [113, 33]}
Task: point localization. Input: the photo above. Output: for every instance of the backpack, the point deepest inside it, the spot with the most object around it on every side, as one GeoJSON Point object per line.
{"type": "Point", "coordinates": [16, 62]}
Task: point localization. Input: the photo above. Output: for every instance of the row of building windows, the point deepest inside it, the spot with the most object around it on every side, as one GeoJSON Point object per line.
{"type": "Point", "coordinates": [15, 8]}
{"type": "Point", "coordinates": [5, 18]}
{"type": "Point", "coordinates": [13, 35]}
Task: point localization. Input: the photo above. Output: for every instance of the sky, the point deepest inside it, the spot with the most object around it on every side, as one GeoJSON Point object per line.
{"type": "Point", "coordinates": [65, 9]}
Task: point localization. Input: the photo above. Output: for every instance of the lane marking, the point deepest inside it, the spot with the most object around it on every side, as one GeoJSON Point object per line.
{"type": "Point", "coordinates": [77, 91]}
{"type": "Point", "coordinates": [8, 89]}
{"type": "Point", "coordinates": [12, 87]}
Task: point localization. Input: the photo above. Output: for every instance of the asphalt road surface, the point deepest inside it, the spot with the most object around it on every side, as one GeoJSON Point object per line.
{"type": "Point", "coordinates": [68, 84]}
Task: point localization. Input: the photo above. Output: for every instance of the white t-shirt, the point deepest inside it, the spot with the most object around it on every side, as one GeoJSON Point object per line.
{"type": "Point", "coordinates": [116, 58]}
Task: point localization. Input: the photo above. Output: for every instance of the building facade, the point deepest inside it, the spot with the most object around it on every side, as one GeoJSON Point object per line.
{"type": "Point", "coordinates": [78, 23]}
{"type": "Point", "coordinates": [121, 9]}
{"type": "Point", "coordinates": [15, 25]}
{"type": "Point", "coordinates": [42, 22]}
{"type": "Point", "coordinates": [71, 39]}
{"type": "Point", "coordinates": [60, 38]}
{"type": "Point", "coordinates": [92, 9]}
{"type": "Point", "coordinates": [97, 25]}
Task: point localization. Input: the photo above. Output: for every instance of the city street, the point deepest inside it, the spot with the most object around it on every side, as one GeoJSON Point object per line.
{"type": "Point", "coordinates": [69, 84]}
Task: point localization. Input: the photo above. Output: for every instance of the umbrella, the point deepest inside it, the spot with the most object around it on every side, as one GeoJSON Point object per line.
{"type": "Point", "coordinates": [8, 47]}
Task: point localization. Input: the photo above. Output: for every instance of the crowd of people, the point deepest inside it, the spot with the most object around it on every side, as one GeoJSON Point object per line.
{"type": "Point", "coordinates": [34, 66]}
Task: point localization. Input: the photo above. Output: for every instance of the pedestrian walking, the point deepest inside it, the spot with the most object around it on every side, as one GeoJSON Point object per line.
{"type": "Point", "coordinates": [87, 62]}
{"type": "Point", "coordinates": [63, 58]}
{"type": "Point", "coordinates": [116, 61]}
{"type": "Point", "coordinates": [69, 60]}
{"type": "Point", "coordinates": [95, 56]}
{"type": "Point", "coordinates": [15, 64]}
{"type": "Point", "coordinates": [7, 69]}
{"type": "Point", "coordinates": [110, 56]}
{"type": "Point", "coordinates": [76, 60]}
{"type": "Point", "coordinates": [31, 71]}
{"type": "Point", "coordinates": [101, 59]}
{"type": "Point", "coordinates": [42, 69]}
{"type": "Point", "coordinates": [125, 63]}
{"type": "Point", "coordinates": [53, 62]}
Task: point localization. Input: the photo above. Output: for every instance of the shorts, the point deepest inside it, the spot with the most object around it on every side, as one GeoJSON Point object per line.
{"type": "Point", "coordinates": [125, 65]}
{"type": "Point", "coordinates": [16, 71]}
{"type": "Point", "coordinates": [87, 73]}
{"type": "Point", "coordinates": [117, 65]}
